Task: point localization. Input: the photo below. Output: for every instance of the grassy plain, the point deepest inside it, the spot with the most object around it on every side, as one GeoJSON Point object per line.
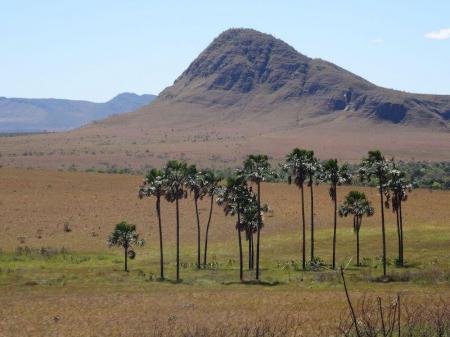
{"type": "Point", "coordinates": [81, 290]}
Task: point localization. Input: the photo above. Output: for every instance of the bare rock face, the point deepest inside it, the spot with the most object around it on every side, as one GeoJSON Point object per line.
{"type": "Point", "coordinates": [243, 67]}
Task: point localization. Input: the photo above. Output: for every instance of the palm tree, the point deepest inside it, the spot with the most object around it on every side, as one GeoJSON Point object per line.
{"type": "Point", "coordinates": [257, 169]}
{"type": "Point", "coordinates": [155, 184]}
{"type": "Point", "coordinates": [212, 182]}
{"type": "Point", "coordinates": [313, 170]}
{"type": "Point", "coordinates": [356, 203]}
{"type": "Point", "coordinates": [297, 165]}
{"type": "Point", "coordinates": [335, 175]}
{"type": "Point", "coordinates": [125, 236]}
{"type": "Point", "coordinates": [396, 190]}
{"type": "Point", "coordinates": [234, 198]}
{"type": "Point", "coordinates": [195, 183]}
{"type": "Point", "coordinates": [177, 173]}
{"type": "Point", "coordinates": [375, 166]}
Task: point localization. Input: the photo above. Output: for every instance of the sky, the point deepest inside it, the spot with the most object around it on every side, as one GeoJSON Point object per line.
{"type": "Point", "coordinates": [93, 50]}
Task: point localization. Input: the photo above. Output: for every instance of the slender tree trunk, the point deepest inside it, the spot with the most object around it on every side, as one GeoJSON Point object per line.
{"type": "Point", "coordinates": [334, 226]}
{"type": "Point", "coordinates": [383, 230]}
{"type": "Point", "coordinates": [397, 214]}
{"type": "Point", "coordinates": [253, 252]}
{"type": "Point", "coordinates": [198, 232]}
{"type": "Point", "coordinates": [126, 258]}
{"type": "Point", "coordinates": [241, 261]}
{"type": "Point", "coordinates": [178, 236]}
{"type": "Point", "coordinates": [207, 231]}
{"type": "Point", "coordinates": [312, 221]}
{"type": "Point", "coordinates": [303, 228]}
{"type": "Point", "coordinates": [358, 226]}
{"type": "Point", "coordinates": [402, 261]}
{"type": "Point", "coordinates": [161, 255]}
{"type": "Point", "coordinates": [258, 233]}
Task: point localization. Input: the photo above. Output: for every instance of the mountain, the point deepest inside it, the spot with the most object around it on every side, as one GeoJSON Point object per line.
{"type": "Point", "coordinates": [31, 114]}
{"type": "Point", "coordinates": [249, 92]}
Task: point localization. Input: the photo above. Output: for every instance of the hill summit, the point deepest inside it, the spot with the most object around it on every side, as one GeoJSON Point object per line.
{"type": "Point", "coordinates": [249, 92]}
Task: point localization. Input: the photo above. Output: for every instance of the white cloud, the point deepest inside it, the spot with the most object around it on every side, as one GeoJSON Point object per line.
{"type": "Point", "coordinates": [441, 34]}
{"type": "Point", "coordinates": [378, 40]}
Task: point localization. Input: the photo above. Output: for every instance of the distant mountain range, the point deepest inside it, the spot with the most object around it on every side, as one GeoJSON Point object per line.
{"type": "Point", "coordinates": [39, 114]}
{"type": "Point", "coordinates": [249, 92]}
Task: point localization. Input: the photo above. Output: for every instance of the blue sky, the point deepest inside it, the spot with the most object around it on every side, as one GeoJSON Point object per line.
{"type": "Point", "coordinates": [95, 49]}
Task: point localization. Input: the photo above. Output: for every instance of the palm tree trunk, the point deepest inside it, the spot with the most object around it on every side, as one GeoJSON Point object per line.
{"type": "Point", "coordinates": [358, 226]}
{"type": "Point", "coordinates": [178, 236]}
{"type": "Point", "coordinates": [207, 231]}
{"type": "Point", "coordinates": [258, 233]}
{"type": "Point", "coordinates": [161, 255]}
{"type": "Point", "coordinates": [198, 232]}
{"type": "Point", "coordinates": [126, 258]}
{"type": "Point", "coordinates": [397, 215]}
{"type": "Point", "coordinates": [241, 261]}
{"type": "Point", "coordinates": [401, 233]}
{"type": "Point", "coordinates": [250, 251]}
{"type": "Point", "coordinates": [303, 228]}
{"type": "Point", "coordinates": [334, 226]}
{"type": "Point", "coordinates": [383, 230]}
{"type": "Point", "coordinates": [312, 221]}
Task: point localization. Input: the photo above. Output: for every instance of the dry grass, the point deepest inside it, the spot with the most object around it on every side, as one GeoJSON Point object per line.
{"type": "Point", "coordinates": [85, 293]}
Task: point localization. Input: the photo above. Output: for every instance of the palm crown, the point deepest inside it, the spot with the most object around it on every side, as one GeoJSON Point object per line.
{"type": "Point", "coordinates": [155, 184]}
{"type": "Point", "coordinates": [257, 168]}
{"type": "Point", "coordinates": [335, 175]}
{"type": "Point", "coordinates": [177, 173]}
{"type": "Point", "coordinates": [124, 235]}
{"type": "Point", "coordinates": [356, 203]}
{"type": "Point", "coordinates": [299, 163]}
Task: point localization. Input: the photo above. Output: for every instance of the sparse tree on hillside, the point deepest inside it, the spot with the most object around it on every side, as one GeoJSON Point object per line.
{"type": "Point", "coordinates": [212, 187]}
{"type": "Point", "coordinates": [356, 203]}
{"type": "Point", "coordinates": [335, 175]}
{"type": "Point", "coordinates": [297, 165]}
{"type": "Point", "coordinates": [257, 169]}
{"type": "Point", "coordinates": [376, 166]}
{"type": "Point", "coordinates": [125, 236]}
{"type": "Point", "coordinates": [396, 192]}
{"type": "Point", "coordinates": [177, 173]}
{"type": "Point", "coordinates": [155, 184]}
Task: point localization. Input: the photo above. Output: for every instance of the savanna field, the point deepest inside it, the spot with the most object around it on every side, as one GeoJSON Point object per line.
{"type": "Point", "coordinates": [59, 278]}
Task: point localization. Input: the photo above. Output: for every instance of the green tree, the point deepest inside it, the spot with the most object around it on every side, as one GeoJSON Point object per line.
{"type": "Point", "coordinates": [396, 191]}
{"type": "Point", "coordinates": [211, 183]}
{"type": "Point", "coordinates": [235, 198]}
{"type": "Point", "coordinates": [195, 183]}
{"type": "Point", "coordinates": [177, 173]}
{"type": "Point", "coordinates": [155, 184]}
{"type": "Point", "coordinates": [125, 236]}
{"type": "Point", "coordinates": [335, 175]}
{"type": "Point", "coordinates": [298, 165]}
{"type": "Point", "coordinates": [257, 169]}
{"type": "Point", "coordinates": [376, 166]}
{"type": "Point", "coordinates": [356, 204]}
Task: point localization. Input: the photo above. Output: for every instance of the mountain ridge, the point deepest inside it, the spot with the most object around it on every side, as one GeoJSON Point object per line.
{"type": "Point", "coordinates": [53, 114]}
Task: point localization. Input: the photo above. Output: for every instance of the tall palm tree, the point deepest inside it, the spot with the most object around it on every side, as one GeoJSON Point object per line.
{"type": "Point", "coordinates": [376, 166]}
{"type": "Point", "coordinates": [313, 170]}
{"type": "Point", "coordinates": [212, 181]}
{"type": "Point", "coordinates": [297, 165]}
{"type": "Point", "coordinates": [335, 175]}
{"type": "Point", "coordinates": [396, 192]}
{"type": "Point", "coordinates": [195, 183]}
{"type": "Point", "coordinates": [155, 184]}
{"type": "Point", "coordinates": [176, 173]}
{"type": "Point", "coordinates": [257, 169]}
{"type": "Point", "coordinates": [235, 198]}
{"type": "Point", "coordinates": [356, 203]}
{"type": "Point", "coordinates": [125, 236]}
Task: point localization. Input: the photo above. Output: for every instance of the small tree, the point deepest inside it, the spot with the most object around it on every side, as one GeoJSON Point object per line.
{"type": "Point", "coordinates": [125, 236]}
{"type": "Point", "coordinates": [356, 203]}
{"type": "Point", "coordinates": [335, 175]}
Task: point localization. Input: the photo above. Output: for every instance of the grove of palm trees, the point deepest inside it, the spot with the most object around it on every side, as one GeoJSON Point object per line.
{"type": "Point", "coordinates": [241, 196]}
